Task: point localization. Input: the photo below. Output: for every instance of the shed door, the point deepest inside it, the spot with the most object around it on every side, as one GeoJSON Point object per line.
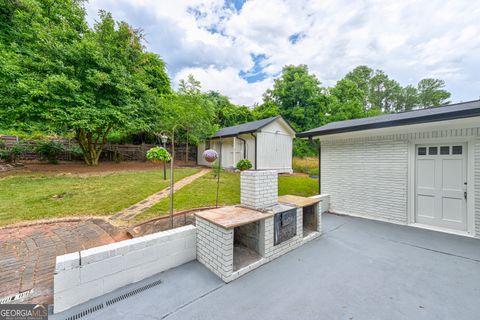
{"type": "Point", "coordinates": [441, 175]}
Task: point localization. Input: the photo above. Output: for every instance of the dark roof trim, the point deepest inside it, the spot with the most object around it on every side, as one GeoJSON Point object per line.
{"type": "Point", "coordinates": [253, 129]}
{"type": "Point", "coordinates": [433, 117]}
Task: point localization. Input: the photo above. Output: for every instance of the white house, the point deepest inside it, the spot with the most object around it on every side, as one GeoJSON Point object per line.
{"type": "Point", "coordinates": [419, 168]}
{"type": "Point", "coordinates": [267, 143]}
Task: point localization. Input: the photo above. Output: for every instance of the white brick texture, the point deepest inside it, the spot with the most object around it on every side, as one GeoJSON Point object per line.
{"type": "Point", "coordinates": [87, 274]}
{"type": "Point", "coordinates": [215, 248]}
{"type": "Point", "coordinates": [368, 176]}
{"type": "Point", "coordinates": [477, 187]}
{"type": "Point", "coordinates": [259, 189]}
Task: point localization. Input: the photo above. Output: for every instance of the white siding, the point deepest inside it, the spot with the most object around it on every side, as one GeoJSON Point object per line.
{"type": "Point", "coordinates": [227, 151]}
{"type": "Point", "coordinates": [275, 148]}
{"type": "Point", "coordinates": [368, 176]}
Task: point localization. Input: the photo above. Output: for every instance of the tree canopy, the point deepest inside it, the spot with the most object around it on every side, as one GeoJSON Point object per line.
{"type": "Point", "coordinates": [59, 75]}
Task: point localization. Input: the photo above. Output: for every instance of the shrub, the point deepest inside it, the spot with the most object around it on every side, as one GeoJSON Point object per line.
{"type": "Point", "coordinates": [11, 155]}
{"type": "Point", "coordinates": [244, 164]}
{"type": "Point", "coordinates": [49, 150]}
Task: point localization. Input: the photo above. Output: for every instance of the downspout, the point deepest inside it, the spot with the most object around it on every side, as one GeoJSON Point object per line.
{"type": "Point", "coordinates": [255, 136]}
{"type": "Point", "coordinates": [244, 146]}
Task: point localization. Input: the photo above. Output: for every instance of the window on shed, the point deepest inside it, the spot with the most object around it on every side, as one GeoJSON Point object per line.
{"type": "Point", "coordinates": [422, 151]}
{"type": "Point", "coordinates": [457, 150]}
{"type": "Point", "coordinates": [433, 151]}
{"type": "Point", "coordinates": [445, 150]}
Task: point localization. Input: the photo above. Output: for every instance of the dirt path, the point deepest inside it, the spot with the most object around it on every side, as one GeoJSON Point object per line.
{"type": "Point", "coordinates": [130, 213]}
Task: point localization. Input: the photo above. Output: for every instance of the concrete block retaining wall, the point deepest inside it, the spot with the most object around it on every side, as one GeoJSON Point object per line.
{"type": "Point", "coordinates": [84, 275]}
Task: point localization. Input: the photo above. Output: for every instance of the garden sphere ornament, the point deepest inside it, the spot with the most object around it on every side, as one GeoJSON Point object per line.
{"type": "Point", "coordinates": [210, 155]}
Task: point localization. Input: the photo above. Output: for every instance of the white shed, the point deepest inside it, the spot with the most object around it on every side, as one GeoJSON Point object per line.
{"type": "Point", "coordinates": [267, 143]}
{"type": "Point", "coordinates": [418, 168]}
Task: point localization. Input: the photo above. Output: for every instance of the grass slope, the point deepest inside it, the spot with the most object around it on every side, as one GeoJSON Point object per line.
{"type": "Point", "coordinates": [40, 196]}
{"type": "Point", "coordinates": [201, 193]}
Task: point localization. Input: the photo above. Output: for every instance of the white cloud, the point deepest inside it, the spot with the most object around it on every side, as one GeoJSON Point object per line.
{"type": "Point", "coordinates": [228, 82]}
{"type": "Point", "coordinates": [409, 39]}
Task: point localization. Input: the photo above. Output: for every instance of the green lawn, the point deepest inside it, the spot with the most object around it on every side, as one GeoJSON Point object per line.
{"type": "Point", "coordinates": [39, 196]}
{"type": "Point", "coordinates": [201, 193]}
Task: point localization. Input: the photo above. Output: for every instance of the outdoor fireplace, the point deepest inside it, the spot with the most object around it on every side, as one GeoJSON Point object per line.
{"type": "Point", "coordinates": [233, 240]}
{"type": "Point", "coordinates": [285, 226]}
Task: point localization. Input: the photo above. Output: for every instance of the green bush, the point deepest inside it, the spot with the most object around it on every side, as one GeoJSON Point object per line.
{"type": "Point", "coordinates": [244, 164]}
{"type": "Point", "coordinates": [10, 155]}
{"type": "Point", "coordinates": [313, 172]}
{"type": "Point", "coordinates": [49, 150]}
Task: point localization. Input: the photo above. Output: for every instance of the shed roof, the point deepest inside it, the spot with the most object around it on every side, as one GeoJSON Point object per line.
{"type": "Point", "coordinates": [432, 114]}
{"type": "Point", "coordinates": [248, 127]}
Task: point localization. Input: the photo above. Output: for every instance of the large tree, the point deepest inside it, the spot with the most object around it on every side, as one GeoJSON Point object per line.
{"type": "Point", "coordinates": [387, 95]}
{"type": "Point", "coordinates": [298, 96]}
{"type": "Point", "coordinates": [64, 77]}
{"type": "Point", "coordinates": [431, 92]}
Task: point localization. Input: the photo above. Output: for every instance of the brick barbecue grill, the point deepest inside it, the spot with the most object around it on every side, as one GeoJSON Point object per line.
{"type": "Point", "coordinates": [236, 239]}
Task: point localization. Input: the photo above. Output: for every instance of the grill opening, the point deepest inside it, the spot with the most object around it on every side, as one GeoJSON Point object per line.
{"type": "Point", "coordinates": [246, 245]}
{"type": "Point", "coordinates": [310, 220]}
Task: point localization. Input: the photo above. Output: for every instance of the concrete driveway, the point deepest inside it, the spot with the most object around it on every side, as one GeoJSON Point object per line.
{"type": "Point", "coordinates": [358, 269]}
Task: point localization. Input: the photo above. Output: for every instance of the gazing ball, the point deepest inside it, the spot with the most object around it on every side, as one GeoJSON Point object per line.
{"type": "Point", "coordinates": [210, 155]}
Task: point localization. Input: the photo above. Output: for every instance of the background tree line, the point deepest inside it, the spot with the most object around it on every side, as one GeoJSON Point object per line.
{"type": "Point", "coordinates": [61, 77]}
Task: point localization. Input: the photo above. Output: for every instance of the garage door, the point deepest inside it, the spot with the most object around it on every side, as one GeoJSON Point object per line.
{"type": "Point", "coordinates": [441, 175]}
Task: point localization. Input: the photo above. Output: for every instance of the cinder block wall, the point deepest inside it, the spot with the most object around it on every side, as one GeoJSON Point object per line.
{"type": "Point", "coordinates": [259, 189]}
{"type": "Point", "coordinates": [84, 275]}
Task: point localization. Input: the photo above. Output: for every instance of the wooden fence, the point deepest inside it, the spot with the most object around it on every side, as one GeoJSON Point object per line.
{"type": "Point", "coordinates": [111, 152]}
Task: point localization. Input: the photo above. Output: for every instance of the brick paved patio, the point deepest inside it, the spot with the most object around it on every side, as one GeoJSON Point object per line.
{"type": "Point", "coordinates": [28, 253]}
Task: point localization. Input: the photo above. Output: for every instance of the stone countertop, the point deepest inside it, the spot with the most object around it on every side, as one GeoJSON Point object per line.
{"type": "Point", "coordinates": [232, 216]}
{"type": "Point", "coordinates": [297, 201]}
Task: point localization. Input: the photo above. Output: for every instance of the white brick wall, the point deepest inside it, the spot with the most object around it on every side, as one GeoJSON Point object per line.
{"type": "Point", "coordinates": [367, 176]}
{"type": "Point", "coordinates": [477, 187]}
{"type": "Point", "coordinates": [215, 248]}
{"type": "Point", "coordinates": [84, 275]}
{"type": "Point", "coordinates": [259, 189]}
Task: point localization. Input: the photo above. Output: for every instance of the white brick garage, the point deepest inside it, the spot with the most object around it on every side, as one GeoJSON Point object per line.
{"type": "Point", "coordinates": [370, 169]}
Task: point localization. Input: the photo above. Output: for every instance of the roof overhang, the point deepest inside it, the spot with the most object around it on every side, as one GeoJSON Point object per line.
{"type": "Point", "coordinates": [462, 123]}
{"type": "Point", "coordinates": [460, 114]}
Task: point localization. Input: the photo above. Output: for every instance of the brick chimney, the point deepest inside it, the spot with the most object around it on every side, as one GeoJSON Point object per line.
{"type": "Point", "coordinates": [259, 189]}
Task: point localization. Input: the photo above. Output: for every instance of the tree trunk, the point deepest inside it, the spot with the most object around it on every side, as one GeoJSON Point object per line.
{"type": "Point", "coordinates": [92, 144]}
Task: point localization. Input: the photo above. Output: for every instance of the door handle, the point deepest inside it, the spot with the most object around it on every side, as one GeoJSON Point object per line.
{"type": "Point", "coordinates": [465, 192]}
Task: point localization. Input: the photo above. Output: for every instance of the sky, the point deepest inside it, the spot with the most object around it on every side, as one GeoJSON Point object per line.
{"type": "Point", "coordinates": [239, 47]}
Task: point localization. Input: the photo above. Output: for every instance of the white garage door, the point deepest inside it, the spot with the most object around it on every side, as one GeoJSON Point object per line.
{"type": "Point", "coordinates": [441, 175]}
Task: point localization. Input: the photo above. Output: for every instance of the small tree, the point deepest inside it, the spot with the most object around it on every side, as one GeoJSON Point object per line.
{"type": "Point", "coordinates": [49, 150]}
